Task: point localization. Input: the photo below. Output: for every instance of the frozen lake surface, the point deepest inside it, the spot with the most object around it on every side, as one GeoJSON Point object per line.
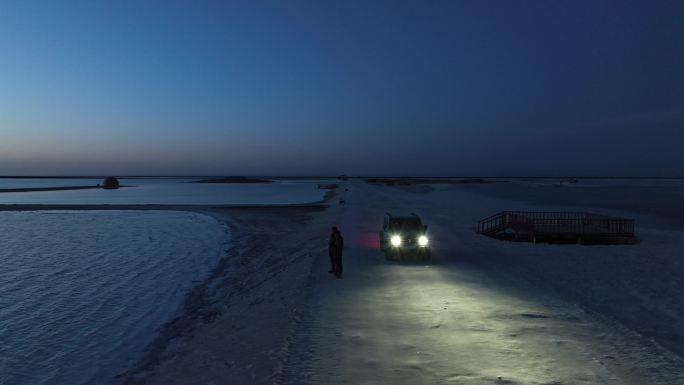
{"type": "Point", "coordinates": [163, 191]}
{"type": "Point", "coordinates": [46, 182]}
{"type": "Point", "coordinates": [83, 293]}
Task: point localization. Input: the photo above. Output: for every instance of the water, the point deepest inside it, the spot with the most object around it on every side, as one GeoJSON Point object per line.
{"type": "Point", "coordinates": [82, 293]}
{"type": "Point", "coordinates": [164, 191]}
{"type": "Point", "coordinates": [45, 182]}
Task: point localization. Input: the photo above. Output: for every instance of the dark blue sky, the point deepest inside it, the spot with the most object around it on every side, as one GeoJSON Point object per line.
{"type": "Point", "coordinates": [328, 87]}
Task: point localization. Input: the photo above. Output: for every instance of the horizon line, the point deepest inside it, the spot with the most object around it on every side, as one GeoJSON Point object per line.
{"type": "Point", "coordinates": [338, 176]}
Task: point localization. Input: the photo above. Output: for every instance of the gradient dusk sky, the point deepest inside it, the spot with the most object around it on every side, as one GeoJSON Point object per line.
{"type": "Point", "coordinates": [329, 87]}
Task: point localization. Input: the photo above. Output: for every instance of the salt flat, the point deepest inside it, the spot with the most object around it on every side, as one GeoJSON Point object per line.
{"type": "Point", "coordinates": [482, 311]}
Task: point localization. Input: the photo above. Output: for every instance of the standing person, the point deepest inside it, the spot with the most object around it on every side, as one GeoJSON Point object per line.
{"type": "Point", "coordinates": [337, 246]}
{"type": "Point", "coordinates": [331, 248]}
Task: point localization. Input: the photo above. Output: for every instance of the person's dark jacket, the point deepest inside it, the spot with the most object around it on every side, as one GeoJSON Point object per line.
{"type": "Point", "coordinates": [336, 243]}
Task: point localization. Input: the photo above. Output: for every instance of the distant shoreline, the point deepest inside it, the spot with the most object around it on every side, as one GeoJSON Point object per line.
{"type": "Point", "coordinates": [142, 207]}
{"type": "Point", "coordinates": [31, 189]}
{"type": "Point", "coordinates": [335, 177]}
{"type": "Point", "coordinates": [233, 179]}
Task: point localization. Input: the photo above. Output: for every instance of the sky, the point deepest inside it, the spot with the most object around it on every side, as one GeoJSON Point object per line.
{"type": "Point", "coordinates": [321, 87]}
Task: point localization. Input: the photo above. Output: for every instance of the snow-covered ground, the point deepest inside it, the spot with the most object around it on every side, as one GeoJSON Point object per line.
{"type": "Point", "coordinates": [482, 311]}
{"type": "Point", "coordinates": [235, 328]}
{"type": "Point", "coordinates": [486, 311]}
{"type": "Point", "coordinates": [83, 293]}
{"type": "Point", "coordinates": [166, 191]}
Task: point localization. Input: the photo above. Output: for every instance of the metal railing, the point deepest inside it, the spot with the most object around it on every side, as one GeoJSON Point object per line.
{"type": "Point", "coordinates": [556, 223]}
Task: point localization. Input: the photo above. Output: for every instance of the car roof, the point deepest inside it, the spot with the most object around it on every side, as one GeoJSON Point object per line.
{"type": "Point", "coordinates": [407, 217]}
{"type": "Point", "coordinates": [411, 218]}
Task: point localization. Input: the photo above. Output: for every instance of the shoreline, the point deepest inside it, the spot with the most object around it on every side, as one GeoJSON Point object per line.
{"type": "Point", "coordinates": [201, 305]}
{"type": "Point", "coordinates": [142, 207]}
{"type": "Point", "coordinates": [324, 201]}
{"type": "Point", "coordinates": [194, 342]}
{"type": "Point", "coordinates": [35, 189]}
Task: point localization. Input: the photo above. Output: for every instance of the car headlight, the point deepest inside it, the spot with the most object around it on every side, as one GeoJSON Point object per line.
{"type": "Point", "coordinates": [395, 240]}
{"type": "Point", "coordinates": [423, 240]}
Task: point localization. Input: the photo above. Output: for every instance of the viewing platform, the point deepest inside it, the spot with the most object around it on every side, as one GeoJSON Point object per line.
{"type": "Point", "coordinates": [558, 227]}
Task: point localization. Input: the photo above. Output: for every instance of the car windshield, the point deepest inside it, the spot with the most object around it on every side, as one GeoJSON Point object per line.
{"type": "Point", "coordinates": [409, 224]}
